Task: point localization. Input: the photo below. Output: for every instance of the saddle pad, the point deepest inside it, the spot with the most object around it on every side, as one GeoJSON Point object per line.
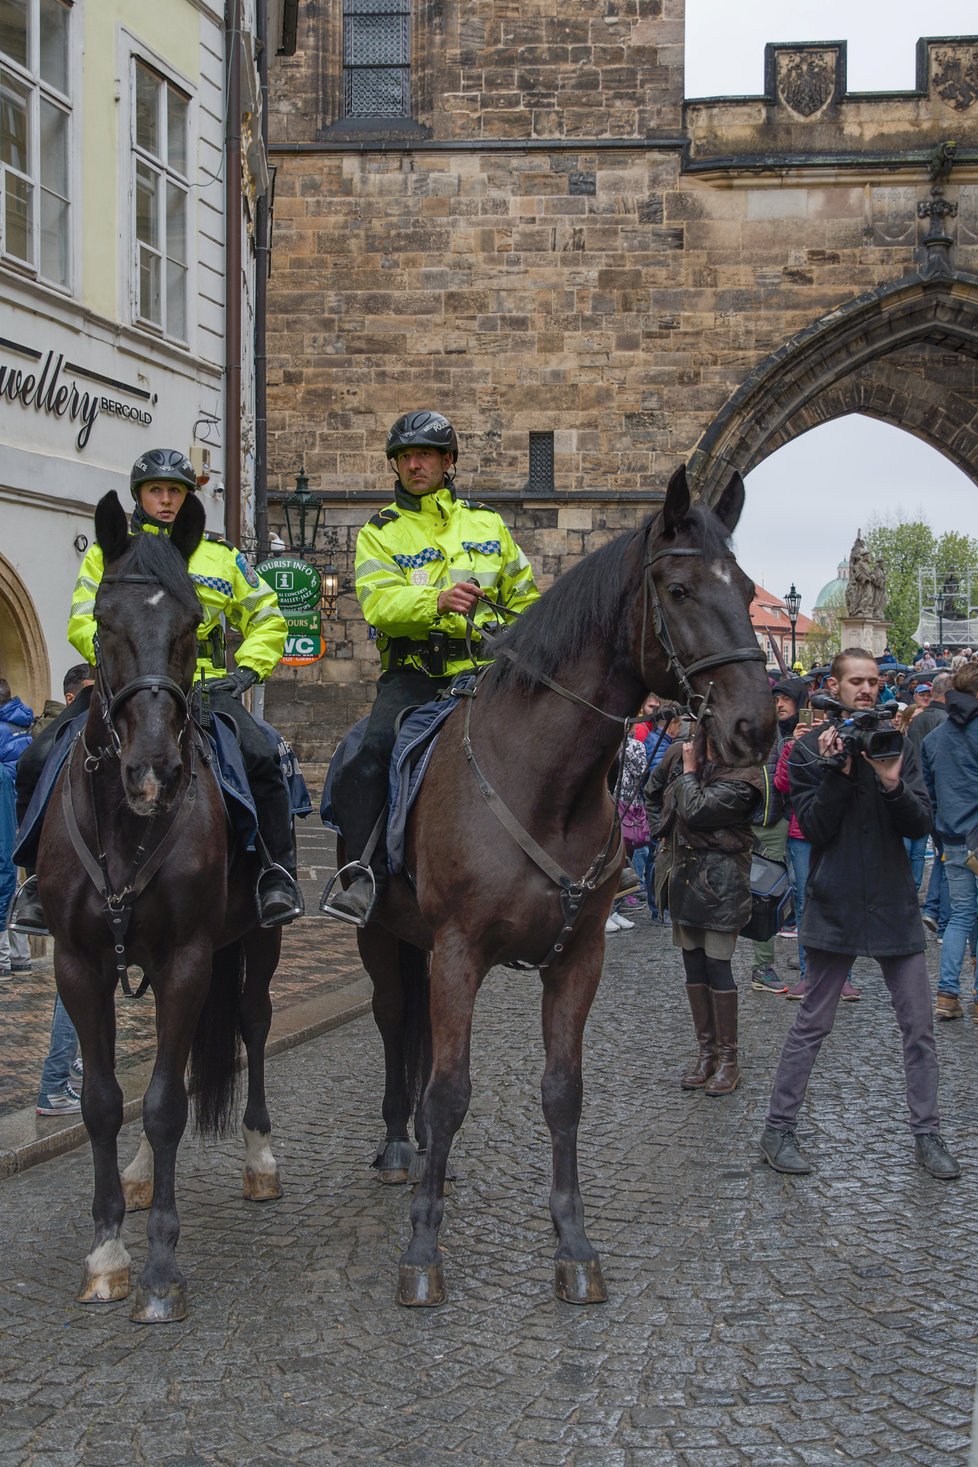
{"type": "Point", "coordinates": [228, 765]}
{"type": "Point", "coordinates": [409, 763]}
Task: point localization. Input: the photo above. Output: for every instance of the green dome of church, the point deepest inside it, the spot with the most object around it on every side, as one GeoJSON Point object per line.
{"type": "Point", "coordinates": [834, 590]}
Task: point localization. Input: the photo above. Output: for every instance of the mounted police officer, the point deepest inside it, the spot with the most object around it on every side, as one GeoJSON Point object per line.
{"type": "Point", "coordinates": [225, 584]}
{"type": "Point", "coordinates": [423, 565]}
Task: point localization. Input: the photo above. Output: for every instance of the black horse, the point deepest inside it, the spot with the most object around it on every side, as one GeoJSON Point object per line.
{"type": "Point", "coordinates": [513, 849]}
{"type": "Point", "coordinates": [133, 868]}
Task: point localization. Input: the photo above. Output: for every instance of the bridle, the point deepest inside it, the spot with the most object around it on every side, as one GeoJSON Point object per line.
{"type": "Point", "coordinates": [112, 702]}
{"type": "Point", "coordinates": [574, 892]}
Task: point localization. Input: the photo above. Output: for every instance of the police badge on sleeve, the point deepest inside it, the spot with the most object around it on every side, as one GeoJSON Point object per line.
{"type": "Point", "coordinates": [248, 571]}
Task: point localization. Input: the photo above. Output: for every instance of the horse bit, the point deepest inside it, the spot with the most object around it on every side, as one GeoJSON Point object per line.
{"type": "Point", "coordinates": [573, 893]}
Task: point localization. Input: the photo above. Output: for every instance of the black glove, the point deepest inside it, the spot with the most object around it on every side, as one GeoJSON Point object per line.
{"type": "Point", "coordinates": [235, 683]}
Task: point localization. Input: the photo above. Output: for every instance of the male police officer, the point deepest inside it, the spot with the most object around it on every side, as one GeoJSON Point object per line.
{"type": "Point", "coordinates": [423, 565]}
{"type": "Point", "coordinates": [225, 583]}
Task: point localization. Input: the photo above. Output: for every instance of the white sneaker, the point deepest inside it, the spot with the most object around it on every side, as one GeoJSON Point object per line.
{"type": "Point", "coordinates": [612, 924]}
{"type": "Point", "coordinates": [624, 925]}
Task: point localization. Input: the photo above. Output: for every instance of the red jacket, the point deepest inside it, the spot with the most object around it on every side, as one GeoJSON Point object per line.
{"type": "Point", "coordinates": [782, 784]}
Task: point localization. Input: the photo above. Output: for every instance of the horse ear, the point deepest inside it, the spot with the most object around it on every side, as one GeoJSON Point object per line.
{"type": "Point", "coordinates": [676, 507]}
{"type": "Point", "coordinates": [111, 527]}
{"type": "Point", "coordinates": [188, 527]}
{"type": "Point", "coordinates": [731, 503]}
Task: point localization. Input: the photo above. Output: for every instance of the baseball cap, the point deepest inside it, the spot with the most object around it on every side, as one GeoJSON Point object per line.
{"type": "Point", "coordinates": [923, 688]}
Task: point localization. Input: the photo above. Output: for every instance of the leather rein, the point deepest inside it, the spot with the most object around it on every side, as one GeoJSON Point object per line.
{"type": "Point", "coordinates": [574, 892]}
{"type": "Point", "coordinates": [146, 862]}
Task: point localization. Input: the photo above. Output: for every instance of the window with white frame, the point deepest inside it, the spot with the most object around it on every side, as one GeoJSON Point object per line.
{"type": "Point", "coordinates": [160, 153]}
{"type": "Point", "coordinates": [35, 121]}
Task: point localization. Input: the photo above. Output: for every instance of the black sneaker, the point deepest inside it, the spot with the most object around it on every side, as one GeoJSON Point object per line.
{"type": "Point", "coordinates": [780, 1151]}
{"type": "Point", "coordinates": [929, 922]}
{"type": "Point", "coordinates": [932, 1154]}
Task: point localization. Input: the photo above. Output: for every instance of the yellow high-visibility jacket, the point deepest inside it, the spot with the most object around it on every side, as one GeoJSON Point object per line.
{"type": "Point", "coordinates": [419, 545]}
{"type": "Point", "coordinates": [224, 582]}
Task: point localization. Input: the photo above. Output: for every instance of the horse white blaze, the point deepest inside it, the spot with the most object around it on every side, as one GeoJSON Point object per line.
{"type": "Point", "coordinates": [156, 598]}
{"type": "Point", "coordinates": [722, 572]}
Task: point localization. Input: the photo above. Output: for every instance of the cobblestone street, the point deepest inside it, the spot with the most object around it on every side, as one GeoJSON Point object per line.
{"type": "Point", "coordinates": [752, 1318]}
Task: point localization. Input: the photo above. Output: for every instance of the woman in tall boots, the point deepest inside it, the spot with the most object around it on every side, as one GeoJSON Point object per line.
{"type": "Point", "coordinates": [700, 810]}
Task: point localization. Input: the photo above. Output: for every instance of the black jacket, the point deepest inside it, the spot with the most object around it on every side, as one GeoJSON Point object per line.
{"type": "Point", "coordinates": [860, 897]}
{"type": "Point", "coordinates": [702, 868]}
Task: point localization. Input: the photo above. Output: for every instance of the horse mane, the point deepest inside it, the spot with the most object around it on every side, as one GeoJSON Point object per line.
{"type": "Point", "coordinates": [154, 556]}
{"type": "Point", "coordinates": [585, 605]}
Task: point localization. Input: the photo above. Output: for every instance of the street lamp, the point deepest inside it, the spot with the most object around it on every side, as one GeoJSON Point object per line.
{"type": "Point", "coordinates": [940, 606]}
{"type": "Point", "coordinates": [792, 601]}
{"type": "Point", "coordinates": [303, 511]}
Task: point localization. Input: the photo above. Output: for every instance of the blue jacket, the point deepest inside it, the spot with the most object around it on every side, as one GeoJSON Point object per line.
{"type": "Point", "coordinates": [15, 732]}
{"type": "Point", "coordinates": [950, 759]}
{"type": "Point", "coordinates": [8, 825]}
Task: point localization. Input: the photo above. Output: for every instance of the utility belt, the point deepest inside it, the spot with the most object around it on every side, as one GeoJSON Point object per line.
{"type": "Point", "coordinates": [213, 648]}
{"type": "Point", "coordinates": [434, 654]}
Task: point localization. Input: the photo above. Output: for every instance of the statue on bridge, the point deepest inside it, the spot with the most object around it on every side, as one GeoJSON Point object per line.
{"type": "Point", "coordinates": [866, 590]}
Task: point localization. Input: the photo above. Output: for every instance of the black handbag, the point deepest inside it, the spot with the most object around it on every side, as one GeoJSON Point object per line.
{"type": "Point", "coordinates": [772, 898]}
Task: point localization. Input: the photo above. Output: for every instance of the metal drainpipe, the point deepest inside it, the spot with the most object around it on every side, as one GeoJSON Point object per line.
{"type": "Point", "coordinates": [263, 245]}
{"type": "Point", "coordinates": [232, 288]}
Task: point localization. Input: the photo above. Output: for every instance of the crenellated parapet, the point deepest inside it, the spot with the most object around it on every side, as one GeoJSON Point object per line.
{"type": "Point", "coordinates": [807, 119]}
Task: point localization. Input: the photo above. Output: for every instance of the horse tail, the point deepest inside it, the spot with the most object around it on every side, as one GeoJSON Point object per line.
{"type": "Point", "coordinates": [416, 1034]}
{"type": "Point", "coordinates": [215, 1050]}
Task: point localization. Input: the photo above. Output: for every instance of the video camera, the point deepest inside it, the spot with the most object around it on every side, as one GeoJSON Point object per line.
{"type": "Point", "coordinates": [861, 732]}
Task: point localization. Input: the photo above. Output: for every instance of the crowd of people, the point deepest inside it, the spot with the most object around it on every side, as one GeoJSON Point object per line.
{"type": "Point", "coordinates": [853, 822]}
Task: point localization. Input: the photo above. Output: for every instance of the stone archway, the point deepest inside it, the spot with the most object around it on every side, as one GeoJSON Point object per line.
{"type": "Point", "coordinates": [23, 651]}
{"type": "Point", "coordinates": [906, 354]}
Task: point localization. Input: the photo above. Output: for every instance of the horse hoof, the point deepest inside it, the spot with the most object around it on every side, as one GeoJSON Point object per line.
{"type": "Point", "coordinates": [166, 1308]}
{"type": "Point", "coordinates": [421, 1288]}
{"type": "Point", "coordinates": [104, 1288]}
{"type": "Point", "coordinates": [260, 1186]}
{"type": "Point", "coordinates": [579, 1283]}
{"type": "Point", "coordinates": [393, 1162]}
{"type": "Point", "coordinates": [138, 1195]}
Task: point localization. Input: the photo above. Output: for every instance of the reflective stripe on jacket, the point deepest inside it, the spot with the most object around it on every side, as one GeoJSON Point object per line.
{"type": "Point", "coordinates": [411, 551]}
{"type": "Point", "coordinates": [224, 582]}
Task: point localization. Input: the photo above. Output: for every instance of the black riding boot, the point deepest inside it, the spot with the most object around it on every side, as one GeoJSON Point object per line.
{"type": "Point", "coordinates": [278, 893]}
{"type": "Point", "coordinates": [26, 913]}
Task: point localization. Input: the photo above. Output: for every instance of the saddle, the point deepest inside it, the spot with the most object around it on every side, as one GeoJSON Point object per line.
{"type": "Point", "coordinates": [226, 761]}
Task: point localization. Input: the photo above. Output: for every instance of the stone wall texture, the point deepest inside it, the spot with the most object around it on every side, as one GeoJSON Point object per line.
{"type": "Point", "coordinates": [556, 242]}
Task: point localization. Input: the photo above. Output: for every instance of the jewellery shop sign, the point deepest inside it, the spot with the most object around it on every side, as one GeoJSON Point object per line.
{"type": "Point", "coordinates": [298, 586]}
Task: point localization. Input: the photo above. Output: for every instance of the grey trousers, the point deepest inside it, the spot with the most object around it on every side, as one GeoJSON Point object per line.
{"type": "Point", "coordinates": [909, 987]}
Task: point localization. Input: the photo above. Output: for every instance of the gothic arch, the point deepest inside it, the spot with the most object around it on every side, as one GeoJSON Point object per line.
{"type": "Point", "coordinates": [23, 651]}
{"type": "Point", "coordinates": [905, 353]}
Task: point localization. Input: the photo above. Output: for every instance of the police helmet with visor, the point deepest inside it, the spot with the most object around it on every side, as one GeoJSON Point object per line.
{"type": "Point", "coordinates": [422, 429]}
{"type": "Point", "coordinates": [167, 465]}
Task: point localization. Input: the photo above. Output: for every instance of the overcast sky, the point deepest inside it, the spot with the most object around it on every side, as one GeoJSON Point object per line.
{"type": "Point", "coordinates": [806, 502]}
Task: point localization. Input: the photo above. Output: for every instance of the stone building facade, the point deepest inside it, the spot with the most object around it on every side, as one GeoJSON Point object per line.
{"type": "Point", "coordinates": [596, 278]}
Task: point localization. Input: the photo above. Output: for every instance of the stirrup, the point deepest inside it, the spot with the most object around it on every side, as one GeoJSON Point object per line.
{"type": "Point", "coordinates": [328, 909]}
{"type": "Point", "coordinates": [289, 913]}
{"type": "Point", "coordinates": [34, 925]}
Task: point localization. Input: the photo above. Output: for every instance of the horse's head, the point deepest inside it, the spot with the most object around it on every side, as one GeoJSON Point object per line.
{"type": "Point", "coordinates": [147, 613]}
{"type": "Point", "coordinates": [703, 616]}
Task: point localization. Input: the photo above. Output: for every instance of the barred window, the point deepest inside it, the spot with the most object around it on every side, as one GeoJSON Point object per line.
{"type": "Point", "coordinates": [541, 480]}
{"type": "Point", "coordinates": [35, 120]}
{"type": "Point", "coordinates": [376, 58]}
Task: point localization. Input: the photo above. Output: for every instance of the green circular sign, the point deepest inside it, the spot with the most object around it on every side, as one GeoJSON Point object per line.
{"type": "Point", "coordinates": [297, 584]}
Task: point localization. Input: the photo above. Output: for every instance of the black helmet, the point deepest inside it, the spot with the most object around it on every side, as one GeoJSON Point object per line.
{"type": "Point", "coordinates": [422, 430]}
{"type": "Point", "coordinates": [162, 463]}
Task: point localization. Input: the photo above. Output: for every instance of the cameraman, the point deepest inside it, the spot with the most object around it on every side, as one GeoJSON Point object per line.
{"type": "Point", "coordinates": [860, 900]}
